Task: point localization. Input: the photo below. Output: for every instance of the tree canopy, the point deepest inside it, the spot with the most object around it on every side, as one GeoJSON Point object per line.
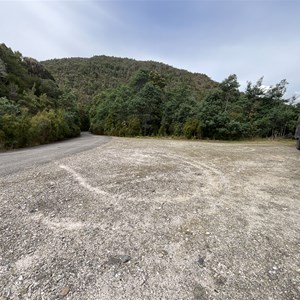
{"type": "Point", "coordinates": [33, 109]}
{"type": "Point", "coordinates": [145, 107]}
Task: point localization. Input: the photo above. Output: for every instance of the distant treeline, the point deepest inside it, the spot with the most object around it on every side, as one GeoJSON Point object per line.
{"type": "Point", "coordinates": [33, 109]}
{"type": "Point", "coordinates": [144, 107]}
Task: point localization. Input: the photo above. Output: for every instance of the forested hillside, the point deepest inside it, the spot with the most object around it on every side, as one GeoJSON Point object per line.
{"type": "Point", "coordinates": [145, 107]}
{"type": "Point", "coordinates": [90, 76]}
{"type": "Point", "coordinates": [125, 97]}
{"type": "Point", "coordinates": [33, 109]}
{"type": "Point", "coordinates": [53, 100]}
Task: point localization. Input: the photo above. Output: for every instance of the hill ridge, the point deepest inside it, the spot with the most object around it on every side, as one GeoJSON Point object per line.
{"type": "Point", "coordinates": [120, 70]}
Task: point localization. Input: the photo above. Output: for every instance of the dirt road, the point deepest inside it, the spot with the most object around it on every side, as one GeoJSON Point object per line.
{"type": "Point", "coordinates": [154, 219]}
{"type": "Point", "coordinates": [17, 160]}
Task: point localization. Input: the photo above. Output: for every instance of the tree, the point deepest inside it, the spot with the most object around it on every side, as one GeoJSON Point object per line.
{"type": "Point", "coordinates": [230, 86]}
{"type": "Point", "coordinates": [179, 105]}
{"type": "Point", "coordinates": [139, 79]}
{"type": "Point", "coordinates": [268, 112]}
{"type": "Point", "coordinates": [213, 117]}
{"type": "Point", "coordinates": [147, 106]}
{"type": "Point", "coordinates": [33, 109]}
{"type": "Point", "coordinates": [3, 72]}
{"type": "Point", "coordinates": [192, 128]}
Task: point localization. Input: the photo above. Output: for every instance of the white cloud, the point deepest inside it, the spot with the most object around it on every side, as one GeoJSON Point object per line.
{"type": "Point", "coordinates": [250, 39]}
{"type": "Point", "coordinates": [48, 29]}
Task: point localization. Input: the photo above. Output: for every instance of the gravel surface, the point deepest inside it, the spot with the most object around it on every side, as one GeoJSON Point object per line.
{"type": "Point", "coordinates": [154, 219]}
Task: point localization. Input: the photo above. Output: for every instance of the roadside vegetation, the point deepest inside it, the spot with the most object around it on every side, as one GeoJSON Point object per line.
{"type": "Point", "coordinates": [53, 100]}
{"type": "Point", "coordinates": [144, 107]}
{"type": "Point", "coordinates": [33, 109]}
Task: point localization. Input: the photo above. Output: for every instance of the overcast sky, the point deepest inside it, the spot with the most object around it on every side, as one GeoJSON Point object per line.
{"type": "Point", "coordinates": [218, 38]}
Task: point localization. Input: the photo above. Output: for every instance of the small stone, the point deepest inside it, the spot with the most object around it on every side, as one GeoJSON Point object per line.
{"type": "Point", "coordinates": [272, 274]}
{"type": "Point", "coordinates": [90, 278]}
{"type": "Point", "coordinates": [64, 292]}
{"type": "Point", "coordinates": [207, 233]}
{"type": "Point", "coordinates": [298, 270]}
{"type": "Point", "coordinates": [32, 210]}
{"type": "Point", "coordinates": [199, 293]}
{"type": "Point", "coordinates": [118, 259]}
{"type": "Point", "coordinates": [125, 258]}
{"type": "Point", "coordinates": [52, 184]}
{"type": "Point", "coordinates": [162, 253]}
{"type": "Point", "coordinates": [188, 232]}
{"type": "Point", "coordinates": [221, 280]}
{"type": "Point", "coordinates": [201, 261]}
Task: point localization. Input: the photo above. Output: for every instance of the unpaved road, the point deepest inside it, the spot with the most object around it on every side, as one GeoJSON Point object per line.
{"type": "Point", "coordinates": [14, 161]}
{"type": "Point", "coordinates": [154, 219]}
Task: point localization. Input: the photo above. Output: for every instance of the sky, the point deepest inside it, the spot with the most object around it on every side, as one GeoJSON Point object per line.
{"type": "Point", "coordinates": [249, 38]}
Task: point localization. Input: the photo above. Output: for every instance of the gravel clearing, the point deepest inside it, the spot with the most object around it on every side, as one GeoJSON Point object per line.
{"type": "Point", "coordinates": [154, 219]}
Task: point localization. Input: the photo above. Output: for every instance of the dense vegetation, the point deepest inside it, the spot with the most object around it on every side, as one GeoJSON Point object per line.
{"type": "Point", "coordinates": [53, 100]}
{"type": "Point", "coordinates": [144, 107]}
{"type": "Point", "coordinates": [90, 76]}
{"type": "Point", "coordinates": [33, 109]}
{"type": "Point", "coordinates": [126, 97]}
